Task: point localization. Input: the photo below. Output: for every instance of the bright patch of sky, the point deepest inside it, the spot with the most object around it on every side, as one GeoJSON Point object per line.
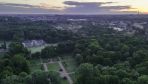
{"type": "Point", "coordinates": [136, 5]}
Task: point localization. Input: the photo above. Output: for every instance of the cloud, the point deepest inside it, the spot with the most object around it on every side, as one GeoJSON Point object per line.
{"type": "Point", "coordinates": [71, 7]}
{"type": "Point", "coordinates": [24, 8]}
{"type": "Point", "coordinates": [85, 3]}
{"type": "Point", "coordinates": [94, 8]}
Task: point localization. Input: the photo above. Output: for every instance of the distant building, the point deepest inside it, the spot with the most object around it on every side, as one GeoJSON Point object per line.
{"type": "Point", "coordinates": [77, 19]}
{"type": "Point", "coordinates": [138, 25]}
{"type": "Point", "coordinates": [117, 29]}
{"type": "Point", "coordinates": [33, 43]}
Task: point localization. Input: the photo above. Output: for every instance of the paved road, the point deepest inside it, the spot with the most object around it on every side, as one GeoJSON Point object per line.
{"type": "Point", "coordinates": [45, 67]}
{"type": "Point", "coordinates": [65, 72]}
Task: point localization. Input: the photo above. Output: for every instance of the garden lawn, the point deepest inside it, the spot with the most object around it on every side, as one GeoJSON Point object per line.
{"type": "Point", "coordinates": [53, 67]}
{"type": "Point", "coordinates": [36, 49]}
{"type": "Point", "coordinates": [39, 48]}
{"type": "Point", "coordinates": [35, 65]}
{"type": "Point", "coordinates": [64, 81]}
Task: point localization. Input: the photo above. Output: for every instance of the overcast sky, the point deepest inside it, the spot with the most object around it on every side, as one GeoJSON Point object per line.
{"type": "Point", "coordinates": [73, 6]}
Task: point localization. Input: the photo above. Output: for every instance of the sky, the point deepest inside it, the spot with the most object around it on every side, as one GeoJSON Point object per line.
{"type": "Point", "coordinates": [73, 6]}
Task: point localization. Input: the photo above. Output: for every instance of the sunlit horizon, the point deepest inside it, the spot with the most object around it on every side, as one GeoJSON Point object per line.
{"type": "Point", "coordinates": [75, 6]}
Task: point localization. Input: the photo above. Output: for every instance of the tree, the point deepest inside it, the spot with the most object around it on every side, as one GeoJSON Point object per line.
{"type": "Point", "coordinates": [14, 79]}
{"type": "Point", "coordinates": [65, 47]}
{"type": "Point", "coordinates": [36, 55]}
{"type": "Point", "coordinates": [109, 79]}
{"type": "Point", "coordinates": [143, 79]}
{"type": "Point", "coordinates": [142, 68]}
{"type": "Point", "coordinates": [40, 77]}
{"type": "Point", "coordinates": [139, 56]}
{"type": "Point", "coordinates": [85, 74]}
{"type": "Point", "coordinates": [48, 52]}
{"type": "Point", "coordinates": [94, 45]}
{"type": "Point", "coordinates": [127, 81]}
{"type": "Point", "coordinates": [20, 64]}
{"type": "Point", "coordinates": [15, 48]}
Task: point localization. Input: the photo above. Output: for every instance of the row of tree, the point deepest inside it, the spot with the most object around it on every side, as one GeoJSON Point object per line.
{"type": "Point", "coordinates": [15, 68]}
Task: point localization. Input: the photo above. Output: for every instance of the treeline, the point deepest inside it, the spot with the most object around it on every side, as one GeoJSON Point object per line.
{"type": "Point", "coordinates": [15, 68]}
{"type": "Point", "coordinates": [55, 51]}
{"type": "Point", "coordinates": [112, 60]}
{"type": "Point", "coordinates": [106, 60]}
{"type": "Point", "coordinates": [48, 35]}
{"type": "Point", "coordinates": [13, 28]}
{"type": "Point", "coordinates": [105, 56]}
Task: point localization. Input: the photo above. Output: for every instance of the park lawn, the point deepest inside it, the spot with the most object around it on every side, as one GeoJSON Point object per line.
{"type": "Point", "coordinates": [53, 67]}
{"type": "Point", "coordinates": [70, 64]}
{"type": "Point", "coordinates": [64, 81]}
{"type": "Point", "coordinates": [36, 49]}
{"type": "Point", "coordinates": [35, 65]}
{"type": "Point", "coordinates": [39, 48]}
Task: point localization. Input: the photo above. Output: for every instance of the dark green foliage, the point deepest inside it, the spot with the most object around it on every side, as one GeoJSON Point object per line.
{"type": "Point", "coordinates": [16, 47]}
{"type": "Point", "coordinates": [120, 61]}
{"type": "Point", "coordinates": [48, 52]}
{"type": "Point", "coordinates": [65, 47]}
{"type": "Point", "coordinates": [13, 63]}
{"type": "Point", "coordinates": [105, 56]}
{"type": "Point", "coordinates": [38, 77]}
{"type": "Point", "coordinates": [20, 64]}
{"type": "Point", "coordinates": [17, 29]}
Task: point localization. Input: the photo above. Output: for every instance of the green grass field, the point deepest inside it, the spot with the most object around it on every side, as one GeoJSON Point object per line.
{"type": "Point", "coordinates": [64, 81]}
{"type": "Point", "coordinates": [36, 49]}
{"type": "Point", "coordinates": [39, 48]}
{"type": "Point", "coordinates": [35, 65]}
{"type": "Point", "coordinates": [53, 67]}
{"type": "Point", "coordinates": [68, 62]}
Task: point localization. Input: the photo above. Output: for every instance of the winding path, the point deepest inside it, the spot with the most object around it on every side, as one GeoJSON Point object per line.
{"type": "Point", "coordinates": [45, 67]}
{"type": "Point", "coordinates": [65, 72]}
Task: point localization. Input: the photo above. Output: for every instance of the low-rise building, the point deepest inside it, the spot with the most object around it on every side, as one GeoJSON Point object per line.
{"type": "Point", "coordinates": [33, 43]}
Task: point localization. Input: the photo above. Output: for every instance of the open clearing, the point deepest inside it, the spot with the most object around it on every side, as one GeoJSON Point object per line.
{"type": "Point", "coordinates": [39, 48]}
{"type": "Point", "coordinates": [57, 64]}
{"type": "Point", "coordinates": [35, 65]}
{"type": "Point", "coordinates": [53, 67]}
{"type": "Point", "coordinates": [63, 81]}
